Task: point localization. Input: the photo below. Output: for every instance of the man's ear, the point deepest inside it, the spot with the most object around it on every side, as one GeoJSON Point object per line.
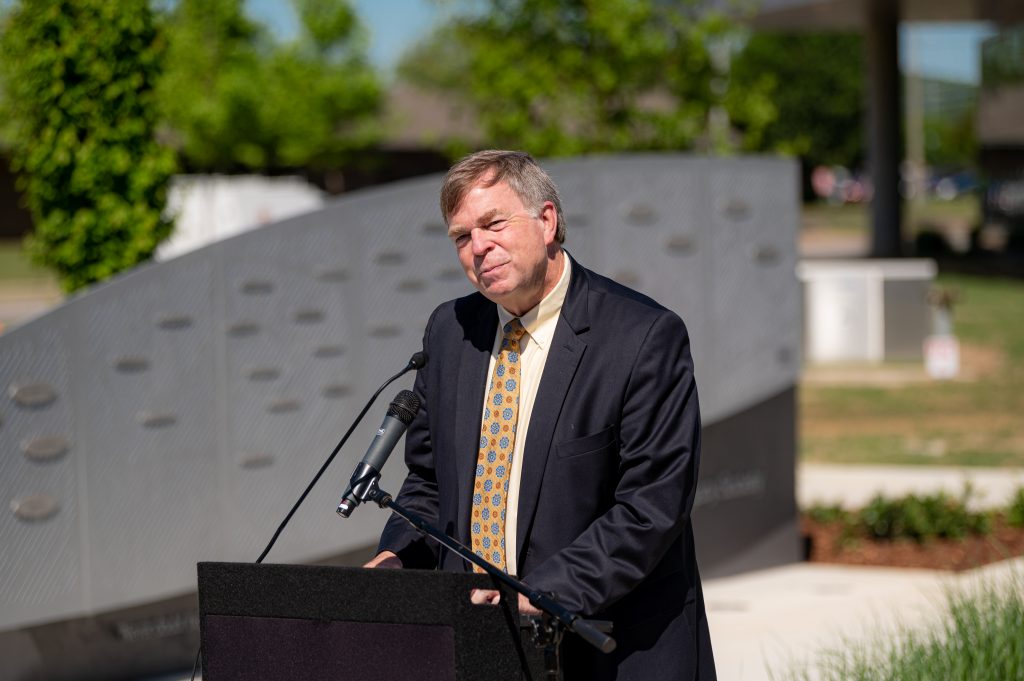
{"type": "Point", "coordinates": [549, 218]}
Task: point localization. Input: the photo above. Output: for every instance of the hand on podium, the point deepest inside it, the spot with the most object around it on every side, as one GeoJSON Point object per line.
{"type": "Point", "coordinates": [385, 559]}
{"type": "Point", "coordinates": [390, 560]}
{"type": "Point", "coordinates": [493, 597]}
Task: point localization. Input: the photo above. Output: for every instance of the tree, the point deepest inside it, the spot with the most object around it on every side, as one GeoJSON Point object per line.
{"type": "Point", "coordinates": [951, 141]}
{"type": "Point", "coordinates": [561, 77]}
{"type": "Point", "coordinates": [78, 79]}
{"type": "Point", "coordinates": [816, 83]}
{"type": "Point", "coordinates": [233, 99]}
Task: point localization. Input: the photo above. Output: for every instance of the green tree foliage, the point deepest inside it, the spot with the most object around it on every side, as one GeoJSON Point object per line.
{"type": "Point", "coordinates": [233, 99]}
{"type": "Point", "coordinates": [951, 142]}
{"type": "Point", "coordinates": [816, 83]}
{"type": "Point", "coordinates": [78, 78]}
{"type": "Point", "coordinates": [562, 77]}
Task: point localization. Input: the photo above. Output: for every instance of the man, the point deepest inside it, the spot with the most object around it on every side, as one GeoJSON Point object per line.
{"type": "Point", "coordinates": [559, 435]}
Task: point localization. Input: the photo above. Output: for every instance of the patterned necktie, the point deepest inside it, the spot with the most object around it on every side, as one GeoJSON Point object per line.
{"type": "Point", "coordinates": [494, 460]}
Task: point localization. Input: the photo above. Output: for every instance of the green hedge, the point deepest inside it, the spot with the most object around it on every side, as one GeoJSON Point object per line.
{"type": "Point", "coordinates": [918, 517]}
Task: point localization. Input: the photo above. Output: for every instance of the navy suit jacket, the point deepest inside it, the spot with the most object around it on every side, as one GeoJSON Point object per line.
{"type": "Point", "coordinates": [608, 478]}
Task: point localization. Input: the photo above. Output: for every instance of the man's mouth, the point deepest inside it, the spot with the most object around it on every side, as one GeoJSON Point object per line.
{"type": "Point", "coordinates": [490, 268]}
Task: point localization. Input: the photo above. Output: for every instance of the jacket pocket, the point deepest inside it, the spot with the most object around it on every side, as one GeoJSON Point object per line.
{"type": "Point", "coordinates": [600, 441]}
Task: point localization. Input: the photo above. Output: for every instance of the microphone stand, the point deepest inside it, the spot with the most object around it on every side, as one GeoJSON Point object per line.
{"type": "Point", "coordinates": [557, 616]}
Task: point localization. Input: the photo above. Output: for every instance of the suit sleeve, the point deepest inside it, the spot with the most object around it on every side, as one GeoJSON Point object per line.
{"type": "Point", "coordinates": [659, 448]}
{"type": "Point", "coordinates": [419, 491]}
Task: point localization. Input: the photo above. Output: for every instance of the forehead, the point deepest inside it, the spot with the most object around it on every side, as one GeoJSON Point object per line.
{"type": "Point", "coordinates": [482, 201]}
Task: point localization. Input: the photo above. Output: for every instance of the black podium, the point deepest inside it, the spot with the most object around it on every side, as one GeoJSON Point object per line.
{"type": "Point", "coordinates": [307, 623]}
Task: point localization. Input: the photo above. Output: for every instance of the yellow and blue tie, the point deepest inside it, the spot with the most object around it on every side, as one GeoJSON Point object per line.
{"type": "Point", "coordinates": [494, 460]}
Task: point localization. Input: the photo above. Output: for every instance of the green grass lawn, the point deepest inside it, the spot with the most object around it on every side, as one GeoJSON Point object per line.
{"type": "Point", "coordinates": [16, 268]}
{"type": "Point", "coordinates": [962, 211]}
{"type": "Point", "coordinates": [975, 421]}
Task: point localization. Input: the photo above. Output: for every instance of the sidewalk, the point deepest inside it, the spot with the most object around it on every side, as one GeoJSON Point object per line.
{"type": "Point", "coordinates": [853, 486]}
{"type": "Point", "coordinates": [22, 302]}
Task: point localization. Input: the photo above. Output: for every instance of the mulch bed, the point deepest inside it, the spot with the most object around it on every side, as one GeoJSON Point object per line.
{"type": "Point", "coordinates": [824, 544]}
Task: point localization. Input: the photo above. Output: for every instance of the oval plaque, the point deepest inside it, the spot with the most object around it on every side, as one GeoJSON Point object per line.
{"type": "Point", "coordinates": [334, 391]}
{"type": "Point", "coordinates": [174, 322]}
{"type": "Point", "coordinates": [33, 395]}
{"type": "Point", "coordinates": [308, 316]}
{"type": "Point", "coordinates": [45, 447]}
{"type": "Point", "coordinates": [385, 331]}
{"type": "Point", "coordinates": [411, 285]}
{"type": "Point", "coordinates": [255, 460]}
{"type": "Point", "coordinates": [681, 244]}
{"type": "Point", "coordinates": [284, 405]}
{"type": "Point", "coordinates": [156, 419]}
{"type": "Point", "coordinates": [390, 258]}
{"type": "Point", "coordinates": [35, 507]}
{"type": "Point", "coordinates": [257, 287]}
{"type": "Point", "coordinates": [262, 373]}
{"type": "Point", "coordinates": [243, 329]}
{"type": "Point", "coordinates": [326, 351]}
{"type": "Point", "coordinates": [330, 274]}
{"type": "Point", "coordinates": [131, 364]}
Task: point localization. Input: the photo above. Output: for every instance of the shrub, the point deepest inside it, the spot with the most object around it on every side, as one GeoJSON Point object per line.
{"type": "Point", "coordinates": [921, 518]}
{"type": "Point", "coordinates": [1015, 512]}
{"type": "Point", "coordinates": [78, 100]}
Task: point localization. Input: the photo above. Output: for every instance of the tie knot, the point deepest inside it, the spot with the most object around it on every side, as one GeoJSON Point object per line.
{"type": "Point", "coordinates": [514, 330]}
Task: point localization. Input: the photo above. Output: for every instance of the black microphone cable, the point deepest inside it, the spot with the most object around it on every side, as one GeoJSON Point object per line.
{"type": "Point", "coordinates": [417, 361]}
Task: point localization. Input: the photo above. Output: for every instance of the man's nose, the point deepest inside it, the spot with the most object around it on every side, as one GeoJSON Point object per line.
{"type": "Point", "coordinates": [481, 241]}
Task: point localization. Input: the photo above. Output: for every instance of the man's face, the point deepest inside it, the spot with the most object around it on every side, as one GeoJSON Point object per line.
{"type": "Point", "coordinates": [503, 246]}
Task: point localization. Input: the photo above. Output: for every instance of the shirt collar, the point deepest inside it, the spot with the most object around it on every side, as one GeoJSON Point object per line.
{"type": "Point", "coordinates": [540, 321]}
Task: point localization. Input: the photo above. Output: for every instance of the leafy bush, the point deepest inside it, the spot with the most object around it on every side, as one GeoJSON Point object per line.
{"type": "Point", "coordinates": [78, 102]}
{"type": "Point", "coordinates": [1015, 513]}
{"type": "Point", "coordinates": [828, 514]}
{"type": "Point", "coordinates": [921, 517]}
{"type": "Point", "coordinates": [916, 517]}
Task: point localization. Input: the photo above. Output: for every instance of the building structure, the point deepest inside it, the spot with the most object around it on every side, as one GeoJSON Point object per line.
{"type": "Point", "coordinates": [879, 21]}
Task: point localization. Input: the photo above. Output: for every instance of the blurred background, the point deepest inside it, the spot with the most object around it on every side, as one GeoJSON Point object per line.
{"type": "Point", "coordinates": [332, 96]}
{"type": "Point", "coordinates": [135, 130]}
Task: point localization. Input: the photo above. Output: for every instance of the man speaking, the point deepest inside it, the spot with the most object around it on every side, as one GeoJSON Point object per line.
{"type": "Point", "coordinates": [559, 434]}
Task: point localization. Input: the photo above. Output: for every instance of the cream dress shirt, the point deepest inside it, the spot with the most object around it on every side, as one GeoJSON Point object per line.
{"type": "Point", "coordinates": [540, 323]}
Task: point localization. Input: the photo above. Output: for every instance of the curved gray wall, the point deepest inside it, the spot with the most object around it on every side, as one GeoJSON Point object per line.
{"type": "Point", "coordinates": [174, 414]}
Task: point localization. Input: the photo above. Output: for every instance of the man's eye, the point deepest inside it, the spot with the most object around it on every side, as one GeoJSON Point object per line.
{"type": "Point", "coordinates": [497, 224]}
{"type": "Point", "coordinates": [460, 239]}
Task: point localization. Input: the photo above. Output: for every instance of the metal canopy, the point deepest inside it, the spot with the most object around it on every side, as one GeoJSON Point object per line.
{"type": "Point", "coordinates": [879, 21]}
{"type": "Point", "coordinates": [852, 14]}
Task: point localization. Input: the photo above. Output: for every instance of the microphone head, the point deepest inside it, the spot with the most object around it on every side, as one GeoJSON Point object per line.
{"type": "Point", "coordinates": [418, 360]}
{"type": "Point", "coordinates": [404, 406]}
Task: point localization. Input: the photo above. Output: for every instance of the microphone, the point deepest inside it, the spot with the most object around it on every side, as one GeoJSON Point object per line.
{"type": "Point", "coordinates": [400, 414]}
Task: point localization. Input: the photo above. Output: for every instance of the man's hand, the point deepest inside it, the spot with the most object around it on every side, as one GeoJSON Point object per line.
{"type": "Point", "coordinates": [493, 597]}
{"type": "Point", "coordinates": [385, 559]}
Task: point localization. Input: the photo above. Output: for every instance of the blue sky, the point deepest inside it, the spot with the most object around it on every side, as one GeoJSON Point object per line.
{"type": "Point", "coordinates": [950, 51]}
{"type": "Point", "coordinates": [939, 50]}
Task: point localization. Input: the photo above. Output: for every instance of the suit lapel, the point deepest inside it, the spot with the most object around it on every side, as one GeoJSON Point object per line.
{"type": "Point", "coordinates": [567, 348]}
{"type": "Point", "coordinates": [478, 339]}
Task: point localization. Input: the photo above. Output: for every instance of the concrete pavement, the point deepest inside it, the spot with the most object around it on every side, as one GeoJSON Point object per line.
{"type": "Point", "coordinates": [853, 486]}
